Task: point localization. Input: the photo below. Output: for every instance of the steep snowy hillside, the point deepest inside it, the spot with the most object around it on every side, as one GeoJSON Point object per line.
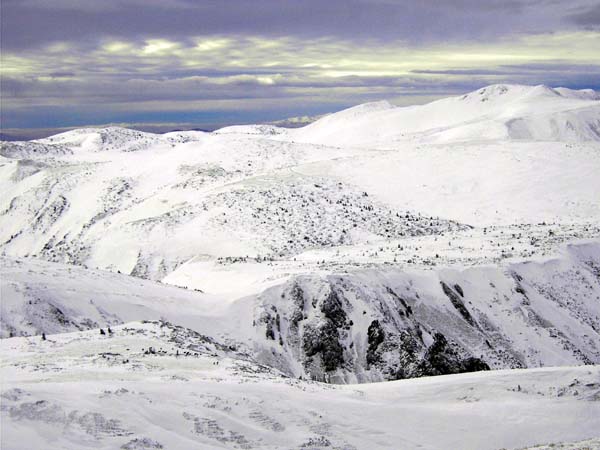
{"type": "Point", "coordinates": [44, 297]}
{"type": "Point", "coordinates": [364, 325]}
{"type": "Point", "coordinates": [390, 324]}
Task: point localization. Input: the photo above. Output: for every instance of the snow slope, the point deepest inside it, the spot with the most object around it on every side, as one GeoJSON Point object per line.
{"type": "Point", "coordinates": [43, 297]}
{"type": "Point", "coordinates": [150, 385]}
{"type": "Point", "coordinates": [491, 113]}
{"type": "Point", "coordinates": [382, 323]}
{"type": "Point", "coordinates": [386, 323]}
{"type": "Point", "coordinates": [147, 204]}
{"type": "Point", "coordinates": [117, 139]}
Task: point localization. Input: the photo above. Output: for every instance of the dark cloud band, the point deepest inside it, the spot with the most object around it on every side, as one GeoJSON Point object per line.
{"type": "Point", "coordinates": [85, 61]}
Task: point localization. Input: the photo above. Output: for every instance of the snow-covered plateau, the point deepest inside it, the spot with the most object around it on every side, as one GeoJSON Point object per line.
{"type": "Point", "coordinates": [267, 287]}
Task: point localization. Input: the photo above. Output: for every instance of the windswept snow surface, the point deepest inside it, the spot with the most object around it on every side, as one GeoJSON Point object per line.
{"type": "Point", "coordinates": [239, 270]}
{"type": "Point", "coordinates": [152, 385]}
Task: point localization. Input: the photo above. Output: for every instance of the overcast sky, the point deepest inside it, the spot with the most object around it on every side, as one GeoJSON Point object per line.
{"type": "Point", "coordinates": [210, 62]}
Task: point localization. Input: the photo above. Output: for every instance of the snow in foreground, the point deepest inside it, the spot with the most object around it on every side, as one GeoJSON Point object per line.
{"type": "Point", "coordinates": [87, 390]}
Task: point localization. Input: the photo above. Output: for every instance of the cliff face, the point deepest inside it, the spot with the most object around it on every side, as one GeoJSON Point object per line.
{"type": "Point", "coordinates": [385, 325]}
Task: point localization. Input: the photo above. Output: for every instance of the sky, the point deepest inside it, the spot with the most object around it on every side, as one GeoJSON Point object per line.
{"type": "Point", "coordinates": [209, 63]}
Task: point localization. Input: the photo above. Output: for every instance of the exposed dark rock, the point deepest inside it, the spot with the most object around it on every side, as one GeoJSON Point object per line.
{"type": "Point", "coordinates": [58, 315]}
{"type": "Point", "coordinates": [457, 303]}
{"type": "Point", "coordinates": [325, 341]}
{"type": "Point", "coordinates": [375, 336]}
{"type": "Point", "coordinates": [473, 364]}
{"type": "Point", "coordinates": [297, 295]}
{"type": "Point", "coordinates": [407, 308]}
{"type": "Point", "coordinates": [333, 309]}
{"type": "Point", "coordinates": [316, 442]}
{"type": "Point", "coordinates": [441, 359]}
{"type": "Point", "coordinates": [141, 444]}
{"type": "Point", "coordinates": [311, 343]}
{"type": "Point", "coordinates": [270, 333]}
{"type": "Point", "coordinates": [458, 289]}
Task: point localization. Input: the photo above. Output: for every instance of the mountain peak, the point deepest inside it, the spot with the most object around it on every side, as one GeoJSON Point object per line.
{"type": "Point", "coordinates": [508, 91]}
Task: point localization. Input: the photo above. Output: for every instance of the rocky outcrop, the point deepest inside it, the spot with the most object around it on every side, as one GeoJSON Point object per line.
{"type": "Point", "coordinates": [385, 325]}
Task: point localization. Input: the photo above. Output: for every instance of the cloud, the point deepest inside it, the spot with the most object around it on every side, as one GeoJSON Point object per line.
{"type": "Point", "coordinates": [586, 16]}
{"type": "Point", "coordinates": [135, 59]}
{"type": "Point", "coordinates": [33, 23]}
{"type": "Point", "coordinates": [242, 73]}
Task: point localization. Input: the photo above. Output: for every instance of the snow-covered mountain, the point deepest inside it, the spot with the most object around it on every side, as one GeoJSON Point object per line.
{"type": "Point", "coordinates": [511, 112]}
{"type": "Point", "coordinates": [365, 325]}
{"type": "Point", "coordinates": [146, 204]}
{"type": "Point", "coordinates": [373, 244]}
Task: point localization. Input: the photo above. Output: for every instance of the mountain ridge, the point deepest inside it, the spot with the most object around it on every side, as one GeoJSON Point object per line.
{"type": "Point", "coordinates": [369, 254]}
{"type": "Point", "coordinates": [582, 98]}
